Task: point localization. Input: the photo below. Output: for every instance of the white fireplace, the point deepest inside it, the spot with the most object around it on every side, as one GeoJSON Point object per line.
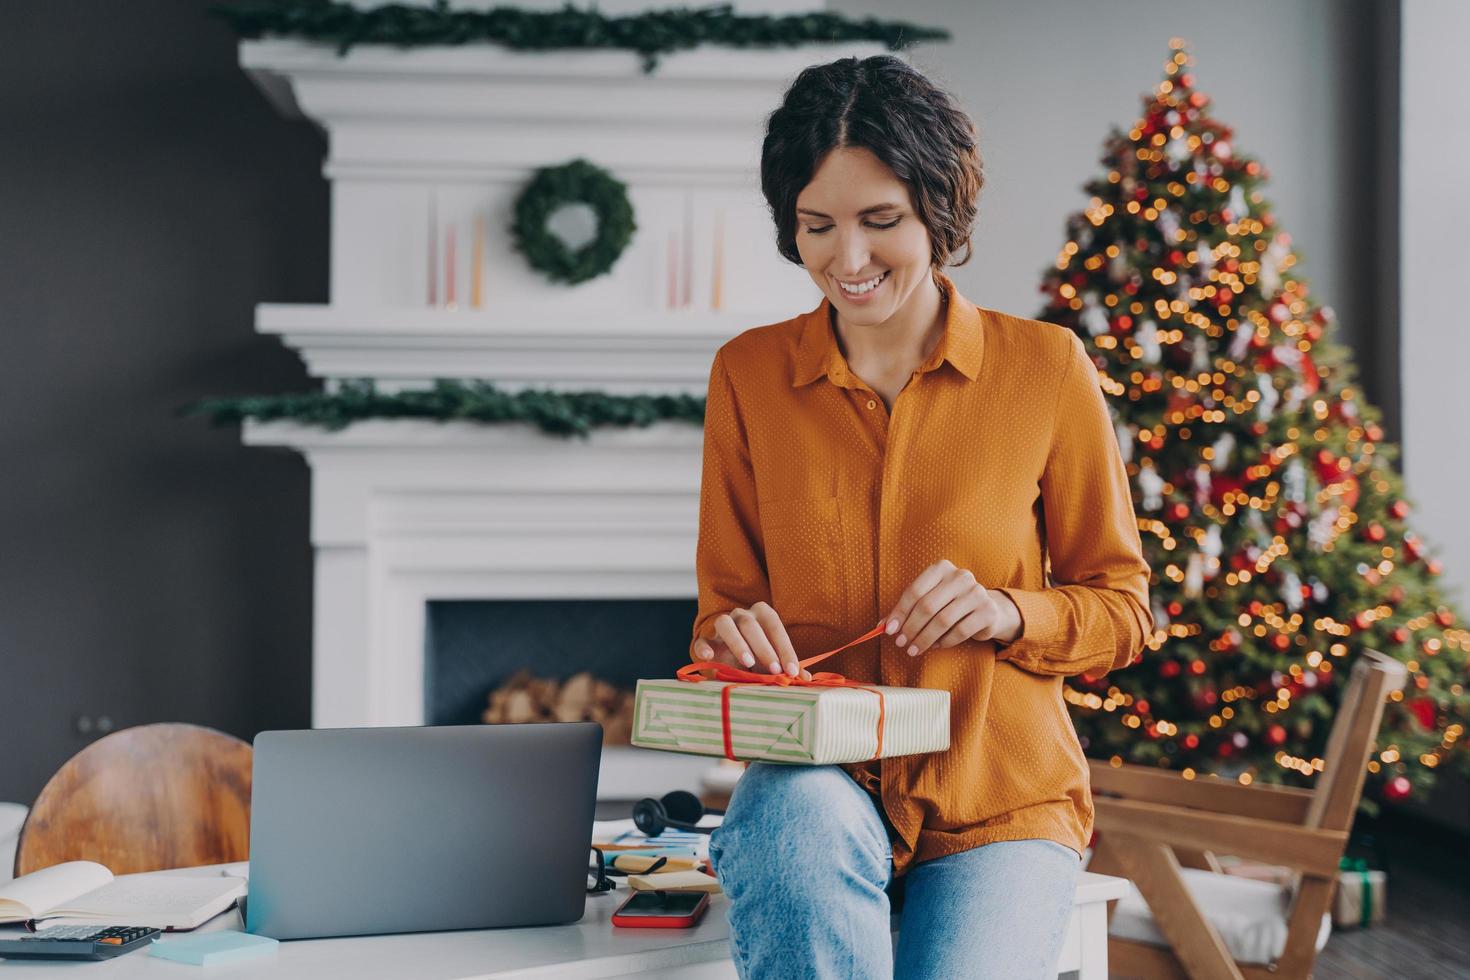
{"type": "Point", "coordinates": [405, 513]}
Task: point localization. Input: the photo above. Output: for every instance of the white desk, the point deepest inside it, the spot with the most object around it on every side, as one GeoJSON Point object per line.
{"type": "Point", "coordinates": [589, 948]}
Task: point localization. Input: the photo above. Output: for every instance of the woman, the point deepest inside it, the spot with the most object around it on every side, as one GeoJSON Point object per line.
{"type": "Point", "coordinates": [900, 455]}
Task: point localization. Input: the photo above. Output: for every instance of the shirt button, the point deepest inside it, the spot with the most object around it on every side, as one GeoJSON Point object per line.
{"type": "Point", "coordinates": [872, 404]}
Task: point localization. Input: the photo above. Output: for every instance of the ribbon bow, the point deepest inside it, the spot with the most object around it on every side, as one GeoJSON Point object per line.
{"type": "Point", "coordinates": [698, 672]}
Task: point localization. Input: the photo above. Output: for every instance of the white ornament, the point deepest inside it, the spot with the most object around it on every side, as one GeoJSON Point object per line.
{"type": "Point", "coordinates": [1148, 342]}
{"type": "Point", "coordinates": [1152, 486]}
{"type": "Point", "coordinates": [1169, 224]}
{"type": "Point", "coordinates": [1322, 529]}
{"type": "Point", "coordinates": [1223, 447]}
{"type": "Point", "coordinates": [1271, 262]}
{"type": "Point", "coordinates": [1291, 590]}
{"type": "Point", "coordinates": [1320, 592]}
{"type": "Point", "coordinates": [1206, 261]}
{"type": "Point", "coordinates": [1210, 547]}
{"type": "Point", "coordinates": [1118, 264]}
{"type": "Point", "coordinates": [1200, 359]}
{"type": "Point", "coordinates": [1161, 615]}
{"type": "Point", "coordinates": [1239, 208]}
{"type": "Point", "coordinates": [1094, 317]}
{"type": "Point", "coordinates": [1124, 432]}
{"type": "Point", "coordinates": [1241, 340]}
{"type": "Point", "coordinates": [1294, 481]}
{"type": "Point", "coordinates": [1266, 407]}
{"type": "Point", "coordinates": [1202, 485]}
{"type": "Point", "coordinates": [1194, 575]}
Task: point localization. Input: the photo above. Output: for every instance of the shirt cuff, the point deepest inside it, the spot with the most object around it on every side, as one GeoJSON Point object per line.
{"type": "Point", "coordinates": [1039, 620]}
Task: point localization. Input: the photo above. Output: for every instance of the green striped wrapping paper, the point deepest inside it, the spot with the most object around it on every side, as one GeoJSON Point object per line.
{"type": "Point", "coordinates": [800, 725]}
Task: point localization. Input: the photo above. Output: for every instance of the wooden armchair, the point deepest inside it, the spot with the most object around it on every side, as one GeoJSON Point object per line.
{"type": "Point", "coordinates": [144, 799]}
{"type": "Point", "coordinates": [1153, 824]}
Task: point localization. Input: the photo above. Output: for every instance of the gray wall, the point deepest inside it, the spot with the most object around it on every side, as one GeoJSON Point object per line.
{"type": "Point", "coordinates": [151, 568]}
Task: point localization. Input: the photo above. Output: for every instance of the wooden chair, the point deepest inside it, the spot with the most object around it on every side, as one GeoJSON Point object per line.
{"type": "Point", "coordinates": [144, 799]}
{"type": "Point", "coordinates": [1152, 824]}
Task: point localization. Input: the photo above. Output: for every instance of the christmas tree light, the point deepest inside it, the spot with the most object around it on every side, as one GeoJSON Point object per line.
{"type": "Point", "coordinates": [1269, 512]}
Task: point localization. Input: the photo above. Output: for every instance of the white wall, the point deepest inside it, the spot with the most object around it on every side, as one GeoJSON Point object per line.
{"type": "Point", "coordinates": [1435, 211]}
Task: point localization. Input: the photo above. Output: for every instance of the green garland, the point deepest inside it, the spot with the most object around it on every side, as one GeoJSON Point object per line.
{"type": "Point", "coordinates": [558, 413]}
{"type": "Point", "coordinates": [651, 34]}
{"type": "Point", "coordinates": [570, 183]}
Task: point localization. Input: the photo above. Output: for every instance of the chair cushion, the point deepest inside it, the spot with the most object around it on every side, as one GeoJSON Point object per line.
{"type": "Point", "coordinates": [12, 816]}
{"type": "Point", "coordinates": [1249, 915]}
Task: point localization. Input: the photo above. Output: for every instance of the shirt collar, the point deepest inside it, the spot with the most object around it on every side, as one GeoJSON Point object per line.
{"type": "Point", "coordinates": [962, 345]}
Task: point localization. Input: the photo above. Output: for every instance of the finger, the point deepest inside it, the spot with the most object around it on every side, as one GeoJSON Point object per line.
{"type": "Point", "coordinates": [925, 581]}
{"type": "Point", "coordinates": [806, 675]}
{"type": "Point", "coordinates": [703, 650]}
{"type": "Point", "coordinates": [920, 628]}
{"type": "Point", "coordinates": [973, 626]}
{"type": "Point", "coordinates": [776, 633]}
{"type": "Point", "coordinates": [957, 608]}
{"type": "Point", "coordinates": [726, 630]}
{"type": "Point", "coordinates": [755, 637]}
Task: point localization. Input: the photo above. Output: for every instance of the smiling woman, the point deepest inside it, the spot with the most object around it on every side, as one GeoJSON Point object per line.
{"type": "Point", "coordinates": [899, 455]}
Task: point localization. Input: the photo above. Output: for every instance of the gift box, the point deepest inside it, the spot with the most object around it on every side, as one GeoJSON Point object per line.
{"type": "Point", "coordinates": [799, 724]}
{"type": "Point", "coordinates": [1361, 898]}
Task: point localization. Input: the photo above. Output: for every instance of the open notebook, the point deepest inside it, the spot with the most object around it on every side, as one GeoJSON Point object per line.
{"type": "Point", "coordinates": [84, 892]}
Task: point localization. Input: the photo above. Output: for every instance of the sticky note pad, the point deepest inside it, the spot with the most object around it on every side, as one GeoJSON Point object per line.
{"type": "Point", "coordinates": [210, 948]}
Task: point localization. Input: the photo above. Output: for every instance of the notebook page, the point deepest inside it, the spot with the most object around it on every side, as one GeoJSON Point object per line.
{"type": "Point", "coordinates": [160, 900]}
{"type": "Point", "coordinates": [31, 895]}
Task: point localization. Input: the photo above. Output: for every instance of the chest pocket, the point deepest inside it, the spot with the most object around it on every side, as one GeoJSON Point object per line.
{"type": "Point", "coordinates": [803, 543]}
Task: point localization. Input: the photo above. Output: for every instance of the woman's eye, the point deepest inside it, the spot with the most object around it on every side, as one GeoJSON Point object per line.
{"type": "Point", "coordinates": [826, 228]}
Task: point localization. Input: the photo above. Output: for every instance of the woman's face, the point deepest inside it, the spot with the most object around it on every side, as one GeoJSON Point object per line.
{"type": "Point", "coordinates": [859, 237]}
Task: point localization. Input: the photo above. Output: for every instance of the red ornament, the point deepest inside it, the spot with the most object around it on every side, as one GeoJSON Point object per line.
{"type": "Point", "coordinates": [1191, 741]}
{"type": "Point", "coordinates": [1424, 710]}
{"type": "Point", "coordinates": [1122, 324]}
{"type": "Point", "coordinates": [1375, 532]}
{"type": "Point", "coordinates": [1445, 618]}
{"type": "Point", "coordinates": [1224, 296]}
{"type": "Point", "coordinates": [1169, 668]}
{"type": "Point", "coordinates": [1411, 547]}
{"type": "Point", "coordinates": [1280, 642]}
{"type": "Point", "coordinates": [1141, 706]}
{"type": "Point", "coordinates": [1399, 635]}
{"type": "Point", "coordinates": [1276, 735]}
{"type": "Point", "coordinates": [1362, 620]}
{"type": "Point", "coordinates": [1398, 788]}
{"type": "Point", "coordinates": [1398, 510]}
{"type": "Point", "coordinates": [1178, 512]}
{"type": "Point", "coordinates": [1174, 608]}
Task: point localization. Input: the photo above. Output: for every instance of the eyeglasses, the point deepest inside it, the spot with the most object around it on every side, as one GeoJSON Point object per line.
{"type": "Point", "coordinates": [600, 873]}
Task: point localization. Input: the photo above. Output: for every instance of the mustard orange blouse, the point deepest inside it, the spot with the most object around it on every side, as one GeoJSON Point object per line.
{"type": "Point", "coordinates": [1000, 456]}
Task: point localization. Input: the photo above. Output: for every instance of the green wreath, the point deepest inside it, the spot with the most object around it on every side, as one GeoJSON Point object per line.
{"type": "Point", "coordinates": [577, 182]}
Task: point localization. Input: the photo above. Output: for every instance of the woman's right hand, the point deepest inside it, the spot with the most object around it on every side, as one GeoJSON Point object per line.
{"type": "Point", "coordinates": [753, 638]}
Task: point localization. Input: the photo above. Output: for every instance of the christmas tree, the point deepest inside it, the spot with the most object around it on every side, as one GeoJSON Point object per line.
{"type": "Point", "coordinates": [1273, 521]}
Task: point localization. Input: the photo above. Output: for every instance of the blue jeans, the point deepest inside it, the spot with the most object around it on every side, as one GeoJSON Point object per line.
{"type": "Point", "coordinates": [806, 862]}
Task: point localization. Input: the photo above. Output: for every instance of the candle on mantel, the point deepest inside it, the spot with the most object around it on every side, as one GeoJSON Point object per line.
{"type": "Point", "coordinates": [477, 266]}
{"type": "Point", "coordinates": [449, 266]}
{"type": "Point", "coordinates": [717, 297]}
{"type": "Point", "coordinates": [433, 249]}
{"type": "Point", "coordinates": [688, 270]}
{"type": "Point", "coordinates": [673, 271]}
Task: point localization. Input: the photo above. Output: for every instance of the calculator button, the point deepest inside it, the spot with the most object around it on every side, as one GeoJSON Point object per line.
{"type": "Point", "coordinates": [112, 940]}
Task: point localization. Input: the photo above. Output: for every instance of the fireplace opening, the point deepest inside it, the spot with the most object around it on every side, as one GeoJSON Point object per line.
{"type": "Point", "coordinates": [473, 647]}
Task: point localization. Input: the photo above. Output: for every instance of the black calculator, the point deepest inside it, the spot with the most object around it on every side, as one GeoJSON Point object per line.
{"type": "Point", "coordinates": [78, 943]}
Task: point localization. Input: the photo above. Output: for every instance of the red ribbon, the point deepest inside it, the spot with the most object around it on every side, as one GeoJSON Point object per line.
{"type": "Point", "coordinates": [697, 672]}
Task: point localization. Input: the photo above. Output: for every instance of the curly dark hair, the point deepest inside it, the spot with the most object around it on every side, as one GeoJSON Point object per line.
{"type": "Point", "coordinates": [884, 105]}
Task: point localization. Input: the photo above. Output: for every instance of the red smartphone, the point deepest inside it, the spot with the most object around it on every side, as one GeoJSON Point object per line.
{"type": "Point", "coordinates": [661, 910]}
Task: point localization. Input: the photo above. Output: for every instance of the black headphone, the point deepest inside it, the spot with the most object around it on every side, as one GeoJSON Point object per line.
{"type": "Point", "coordinates": [680, 810]}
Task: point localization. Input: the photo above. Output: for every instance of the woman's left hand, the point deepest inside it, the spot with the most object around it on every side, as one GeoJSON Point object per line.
{"type": "Point", "coordinates": [946, 606]}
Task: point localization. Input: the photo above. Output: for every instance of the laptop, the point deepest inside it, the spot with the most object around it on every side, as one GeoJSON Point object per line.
{"type": "Point", "coordinates": [363, 831]}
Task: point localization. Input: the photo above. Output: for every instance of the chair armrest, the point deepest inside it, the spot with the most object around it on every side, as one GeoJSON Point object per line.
{"type": "Point", "coordinates": [1313, 852]}
{"type": "Point", "coordinates": [1276, 803]}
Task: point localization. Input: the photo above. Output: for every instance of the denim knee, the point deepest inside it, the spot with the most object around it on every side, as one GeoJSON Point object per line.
{"type": "Point", "coordinates": [789, 825]}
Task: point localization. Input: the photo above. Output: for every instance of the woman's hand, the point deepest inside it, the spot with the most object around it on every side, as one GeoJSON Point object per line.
{"type": "Point", "coordinates": [753, 638]}
{"type": "Point", "coordinates": [946, 606]}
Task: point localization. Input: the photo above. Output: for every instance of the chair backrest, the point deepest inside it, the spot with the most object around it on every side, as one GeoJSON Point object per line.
{"type": "Point", "coordinates": [1351, 744]}
{"type": "Point", "coordinates": [144, 799]}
